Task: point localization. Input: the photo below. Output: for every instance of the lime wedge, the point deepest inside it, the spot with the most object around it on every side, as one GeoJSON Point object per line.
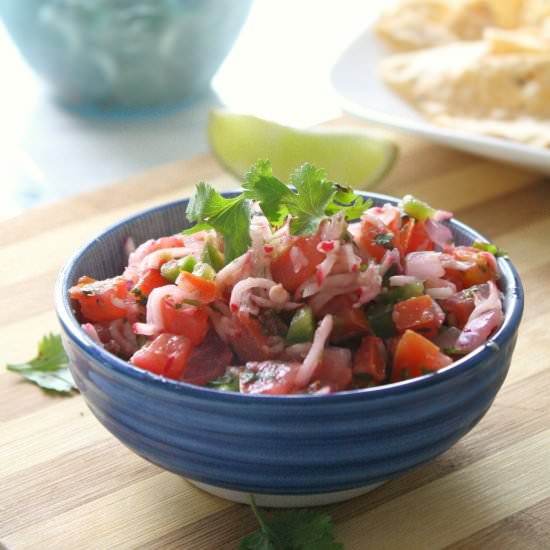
{"type": "Point", "coordinates": [357, 158]}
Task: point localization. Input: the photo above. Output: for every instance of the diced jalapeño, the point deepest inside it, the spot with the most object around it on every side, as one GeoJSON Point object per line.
{"type": "Point", "coordinates": [416, 208]}
{"type": "Point", "coordinates": [302, 327]}
{"type": "Point", "coordinates": [212, 256]}
{"type": "Point", "coordinates": [380, 320]}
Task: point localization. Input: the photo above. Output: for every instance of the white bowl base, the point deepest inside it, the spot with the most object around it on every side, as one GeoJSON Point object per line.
{"type": "Point", "coordinates": [285, 501]}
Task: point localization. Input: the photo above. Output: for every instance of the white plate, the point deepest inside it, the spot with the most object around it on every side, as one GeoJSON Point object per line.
{"type": "Point", "coordinates": [361, 92]}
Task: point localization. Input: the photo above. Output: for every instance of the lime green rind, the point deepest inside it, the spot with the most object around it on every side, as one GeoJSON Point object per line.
{"type": "Point", "coordinates": [360, 159]}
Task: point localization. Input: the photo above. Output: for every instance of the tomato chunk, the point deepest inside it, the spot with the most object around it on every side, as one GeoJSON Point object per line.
{"type": "Point", "coordinates": [208, 360]}
{"type": "Point", "coordinates": [250, 342]}
{"type": "Point", "coordinates": [370, 359]}
{"type": "Point", "coordinates": [349, 322]}
{"type": "Point", "coordinates": [414, 237]}
{"type": "Point", "coordinates": [484, 268]}
{"type": "Point", "coordinates": [101, 300]}
{"type": "Point", "coordinates": [147, 282]}
{"type": "Point", "coordinates": [420, 313]}
{"type": "Point", "coordinates": [184, 320]}
{"type": "Point", "coordinates": [375, 239]}
{"type": "Point", "coordinates": [415, 355]}
{"type": "Point", "coordinates": [297, 263]}
{"type": "Point", "coordinates": [269, 377]}
{"type": "Point", "coordinates": [166, 355]}
{"type": "Point", "coordinates": [334, 370]}
{"type": "Point", "coordinates": [200, 289]}
{"type": "Point", "coordinates": [458, 308]}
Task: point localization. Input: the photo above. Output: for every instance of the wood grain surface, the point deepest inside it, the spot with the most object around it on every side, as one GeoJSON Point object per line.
{"type": "Point", "coordinates": [66, 483]}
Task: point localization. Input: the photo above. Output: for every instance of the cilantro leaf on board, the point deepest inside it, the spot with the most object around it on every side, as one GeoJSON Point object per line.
{"type": "Point", "coordinates": [49, 369]}
{"type": "Point", "coordinates": [229, 217]}
{"type": "Point", "coordinates": [291, 530]}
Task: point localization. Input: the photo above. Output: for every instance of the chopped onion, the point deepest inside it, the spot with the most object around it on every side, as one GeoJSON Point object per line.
{"type": "Point", "coordinates": [325, 267]}
{"type": "Point", "coordinates": [370, 282]}
{"type": "Point", "coordinates": [233, 272]}
{"type": "Point", "coordinates": [90, 330]}
{"type": "Point", "coordinates": [315, 354]}
{"type": "Point", "coordinates": [486, 316]}
{"type": "Point", "coordinates": [440, 234]}
{"type": "Point", "coordinates": [391, 257]}
{"type": "Point", "coordinates": [298, 259]}
{"type": "Point", "coordinates": [155, 259]}
{"type": "Point", "coordinates": [424, 265]}
{"type": "Point", "coordinates": [446, 337]}
{"type": "Point", "coordinates": [449, 262]}
{"type": "Point", "coordinates": [144, 329]}
{"type": "Point", "coordinates": [402, 280]}
{"type": "Point", "coordinates": [154, 303]}
{"type": "Point", "coordinates": [439, 293]}
{"type": "Point", "coordinates": [237, 294]}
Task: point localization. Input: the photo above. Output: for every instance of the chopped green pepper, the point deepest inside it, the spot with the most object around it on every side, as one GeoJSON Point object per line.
{"type": "Point", "coordinates": [187, 264]}
{"type": "Point", "coordinates": [170, 270]}
{"type": "Point", "coordinates": [380, 319]}
{"type": "Point", "coordinates": [416, 208]}
{"type": "Point", "coordinates": [410, 290]}
{"type": "Point", "coordinates": [211, 255]}
{"type": "Point", "coordinates": [229, 381]}
{"type": "Point", "coordinates": [204, 270]}
{"type": "Point", "coordinates": [302, 326]}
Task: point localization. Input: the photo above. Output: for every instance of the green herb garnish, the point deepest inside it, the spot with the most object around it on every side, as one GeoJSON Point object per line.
{"type": "Point", "coordinates": [314, 199]}
{"type": "Point", "coordinates": [489, 247]}
{"type": "Point", "coordinates": [291, 530]}
{"type": "Point", "coordinates": [384, 239]}
{"type": "Point", "coordinates": [49, 369]}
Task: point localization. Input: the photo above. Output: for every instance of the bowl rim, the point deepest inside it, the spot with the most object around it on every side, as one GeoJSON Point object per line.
{"type": "Point", "coordinates": [513, 300]}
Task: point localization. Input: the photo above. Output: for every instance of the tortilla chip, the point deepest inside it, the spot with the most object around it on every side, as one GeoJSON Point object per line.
{"type": "Point", "coordinates": [416, 24]}
{"type": "Point", "coordinates": [468, 85]}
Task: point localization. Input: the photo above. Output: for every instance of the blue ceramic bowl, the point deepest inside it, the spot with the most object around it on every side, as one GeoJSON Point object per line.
{"type": "Point", "coordinates": [287, 450]}
{"type": "Point", "coordinates": [123, 56]}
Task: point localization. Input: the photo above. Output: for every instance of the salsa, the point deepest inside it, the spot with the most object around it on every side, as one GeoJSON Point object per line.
{"type": "Point", "coordinates": [308, 290]}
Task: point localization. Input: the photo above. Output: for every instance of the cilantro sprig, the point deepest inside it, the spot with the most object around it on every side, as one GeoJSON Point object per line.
{"type": "Point", "coordinates": [50, 368]}
{"type": "Point", "coordinates": [291, 530]}
{"type": "Point", "coordinates": [313, 199]}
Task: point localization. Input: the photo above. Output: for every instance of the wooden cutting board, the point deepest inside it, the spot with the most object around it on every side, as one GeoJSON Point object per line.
{"type": "Point", "coordinates": [65, 482]}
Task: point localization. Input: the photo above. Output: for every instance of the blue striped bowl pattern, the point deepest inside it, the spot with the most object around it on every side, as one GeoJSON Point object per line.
{"type": "Point", "coordinates": [279, 445]}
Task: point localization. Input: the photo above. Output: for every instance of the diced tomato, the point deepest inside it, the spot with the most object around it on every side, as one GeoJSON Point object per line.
{"type": "Point", "coordinates": [458, 308]}
{"type": "Point", "coordinates": [414, 238]}
{"type": "Point", "coordinates": [208, 360]}
{"type": "Point", "coordinates": [334, 370]}
{"type": "Point", "coordinates": [485, 268]}
{"type": "Point", "coordinates": [415, 355]}
{"type": "Point", "coordinates": [250, 341]}
{"type": "Point", "coordinates": [167, 355]}
{"type": "Point", "coordinates": [185, 320]}
{"type": "Point", "coordinates": [283, 267]}
{"type": "Point", "coordinates": [147, 282]}
{"type": "Point", "coordinates": [370, 359]}
{"type": "Point", "coordinates": [269, 377]}
{"type": "Point", "coordinates": [371, 236]}
{"type": "Point", "coordinates": [202, 290]}
{"type": "Point", "coordinates": [101, 300]}
{"type": "Point", "coordinates": [349, 322]}
{"type": "Point", "coordinates": [420, 313]}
